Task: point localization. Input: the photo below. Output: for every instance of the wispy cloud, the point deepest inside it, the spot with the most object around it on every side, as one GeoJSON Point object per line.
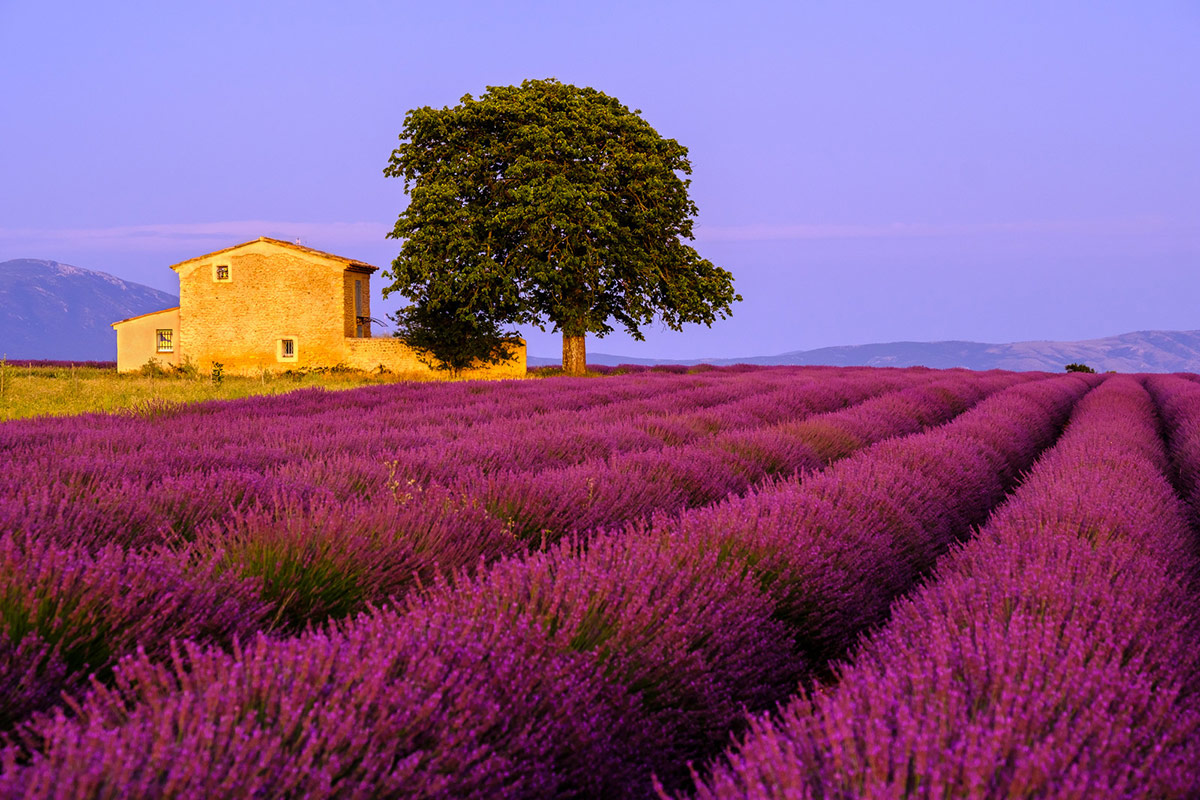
{"type": "Point", "coordinates": [201, 236]}
{"type": "Point", "coordinates": [905, 230]}
{"type": "Point", "coordinates": [195, 235]}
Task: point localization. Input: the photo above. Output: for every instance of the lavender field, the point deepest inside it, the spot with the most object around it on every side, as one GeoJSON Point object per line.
{"type": "Point", "coordinates": [794, 582]}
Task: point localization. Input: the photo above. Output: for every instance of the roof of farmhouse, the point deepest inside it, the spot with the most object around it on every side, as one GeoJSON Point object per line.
{"type": "Point", "coordinates": [147, 314]}
{"type": "Point", "coordinates": [351, 263]}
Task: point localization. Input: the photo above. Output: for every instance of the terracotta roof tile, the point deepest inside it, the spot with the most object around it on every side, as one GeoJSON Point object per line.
{"type": "Point", "coordinates": [147, 314]}
{"type": "Point", "coordinates": [349, 262]}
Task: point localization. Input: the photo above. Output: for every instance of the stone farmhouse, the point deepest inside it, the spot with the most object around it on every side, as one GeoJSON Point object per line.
{"type": "Point", "coordinates": [272, 305]}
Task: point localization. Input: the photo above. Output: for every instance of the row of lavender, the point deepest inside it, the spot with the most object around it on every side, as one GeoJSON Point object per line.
{"type": "Point", "coordinates": [406, 415]}
{"type": "Point", "coordinates": [1055, 655]}
{"type": "Point", "coordinates": [73, 608]}
{"type": "Point", "coordinates": [50, 364]}
{"type": "Point", "coordinates": [485, 516]}
{"type": "Point", "coordinates": [107, 479]}
{"type": "Point", "coordinates": [1179, 404]}
{"type": "Point", "coordinates": [580, 670]}
{"type": "Point", "coordinates": [93, 498]}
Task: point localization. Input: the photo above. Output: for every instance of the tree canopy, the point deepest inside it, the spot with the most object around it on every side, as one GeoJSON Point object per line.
{"type": "Point", "coordinates": [549, 204]}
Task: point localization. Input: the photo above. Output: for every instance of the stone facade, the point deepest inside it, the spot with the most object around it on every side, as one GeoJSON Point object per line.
{"type": "Point", "coordinates": [148, 336]}
{"type": "Point", "coordinates": [272, 305]}
{"type": "Point", "coordinates": [370, 354]}
{"type": "Point", "coordinates": [238, 305]}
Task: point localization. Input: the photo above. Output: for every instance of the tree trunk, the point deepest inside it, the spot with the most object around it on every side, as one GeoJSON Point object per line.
{"type": "Point", "coordinates": [574, 355]}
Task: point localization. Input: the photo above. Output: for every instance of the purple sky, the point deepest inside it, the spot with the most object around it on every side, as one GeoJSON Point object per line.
{"type": "Point", "coordinates": [868, 172]}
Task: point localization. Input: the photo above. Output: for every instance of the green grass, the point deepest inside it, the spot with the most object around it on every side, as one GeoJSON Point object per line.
{"type": "Point", "coordinates": [42, 391]}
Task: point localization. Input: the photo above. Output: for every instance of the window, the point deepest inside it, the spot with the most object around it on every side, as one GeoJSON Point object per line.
{"type": "Point", "coordinates": [287, 349]}
{"type": "Point", "coordinates": [222, 272]}
{"type": "Point", "coordinates": [165, 344]}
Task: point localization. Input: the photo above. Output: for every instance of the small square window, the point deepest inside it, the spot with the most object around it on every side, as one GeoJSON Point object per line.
{"type": "Point", "coordinates": [165, 343]}
{"type": "Point", "coordinates": [287, 349]}
{"type": "Point", "coordinates": [222, 273]}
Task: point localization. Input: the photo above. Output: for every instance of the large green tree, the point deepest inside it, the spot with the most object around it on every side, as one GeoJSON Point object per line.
{"type": "Point", "coordinates": [550, 204]}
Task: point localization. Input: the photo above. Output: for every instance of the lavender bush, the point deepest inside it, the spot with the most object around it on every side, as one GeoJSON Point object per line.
{"type": "Point", "coordinates": [691, 639]}
{"type": "Point", "coordinates": [834, 550]}
{"type": "Point", "coordinates": [66, 614]}
{"type": "Point", "coordinates": [669, 634]}
{"type": "Point", "coordinates": [95, 480]}
{"type": "Point", "coordinates": [631, 486]}
{"type": "Point", "coordinates": [1052, 656]}
{"type": "Point", "coordinates": [1178, 399]}
{"type": "Point", "coordinates": [501, 592]}
{"type": "Point", "coordinates": [431, 706]}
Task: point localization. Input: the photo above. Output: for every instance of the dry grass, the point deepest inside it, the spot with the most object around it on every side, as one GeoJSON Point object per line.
{"type": "Point", "coordinates": [40, 391]}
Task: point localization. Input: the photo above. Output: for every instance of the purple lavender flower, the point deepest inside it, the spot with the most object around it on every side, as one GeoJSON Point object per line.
{"type": "Point", "coordinates": [1053, 655]}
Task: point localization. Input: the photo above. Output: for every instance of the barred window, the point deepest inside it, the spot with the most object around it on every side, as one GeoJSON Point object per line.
{"type": "Point", "coordinates": [165, 343]}
{"type": "Point", "coordinates": [287, 348]}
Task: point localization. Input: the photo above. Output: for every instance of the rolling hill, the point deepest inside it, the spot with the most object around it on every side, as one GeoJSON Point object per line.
{"type": "Point", "coordinates": [55, 311]}
{"type": "Point", "coordinates": [1142, 351]}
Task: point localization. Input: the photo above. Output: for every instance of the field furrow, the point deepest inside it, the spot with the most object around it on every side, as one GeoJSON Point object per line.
{"type": "Point", "coordinates": [546, 505]}
{"type": "Point", "coordinates": [563, 439]}
{"type": "Point", "coordinates": [1178, 402]}
{"type": "Point", "coordinates": [286, 565]}
{"type": "Point", "coordinates": [1054, 655]}
{"type": "Point", "coordinates": [577, 671]}
{"type": "Point", "coordinates": [136, 482]}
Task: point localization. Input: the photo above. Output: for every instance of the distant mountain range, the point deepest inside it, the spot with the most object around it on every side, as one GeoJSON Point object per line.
{"type": "Point", "coordinates": [59, 312]}
{"type": "Point", "coordinates": [55, 311]}
{"type": "Point", "coordinates": [1143, 351]}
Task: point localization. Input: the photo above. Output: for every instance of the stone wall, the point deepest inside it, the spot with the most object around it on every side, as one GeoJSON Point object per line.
{"type": "Point", "coordinates": [395, 356]}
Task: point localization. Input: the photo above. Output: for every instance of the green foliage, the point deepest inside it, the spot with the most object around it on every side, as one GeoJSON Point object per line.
{"type": "Point", "coordinates": [187, 369]}
{"type": "Point", "coordinates": [1080, 368]}
{"type": "Point", "coordinates": [71, 624]}
{"type": "Point", "coordinates": [304, 581]}
{"type": "Point", "coordinates": [218, 372]}
{"type": "Point", "coordinates": [548, 204]}
{"type": "Point", "coordinates": [153, 368]}
{"type": "Point", "coordinates": [37, 391]}
{"type": "Point", "coordinates": [301, 373]}
{"type": "Point", "coordinates": [152, 408]}
{"type": "Point", "coordinates": [451, 337]}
